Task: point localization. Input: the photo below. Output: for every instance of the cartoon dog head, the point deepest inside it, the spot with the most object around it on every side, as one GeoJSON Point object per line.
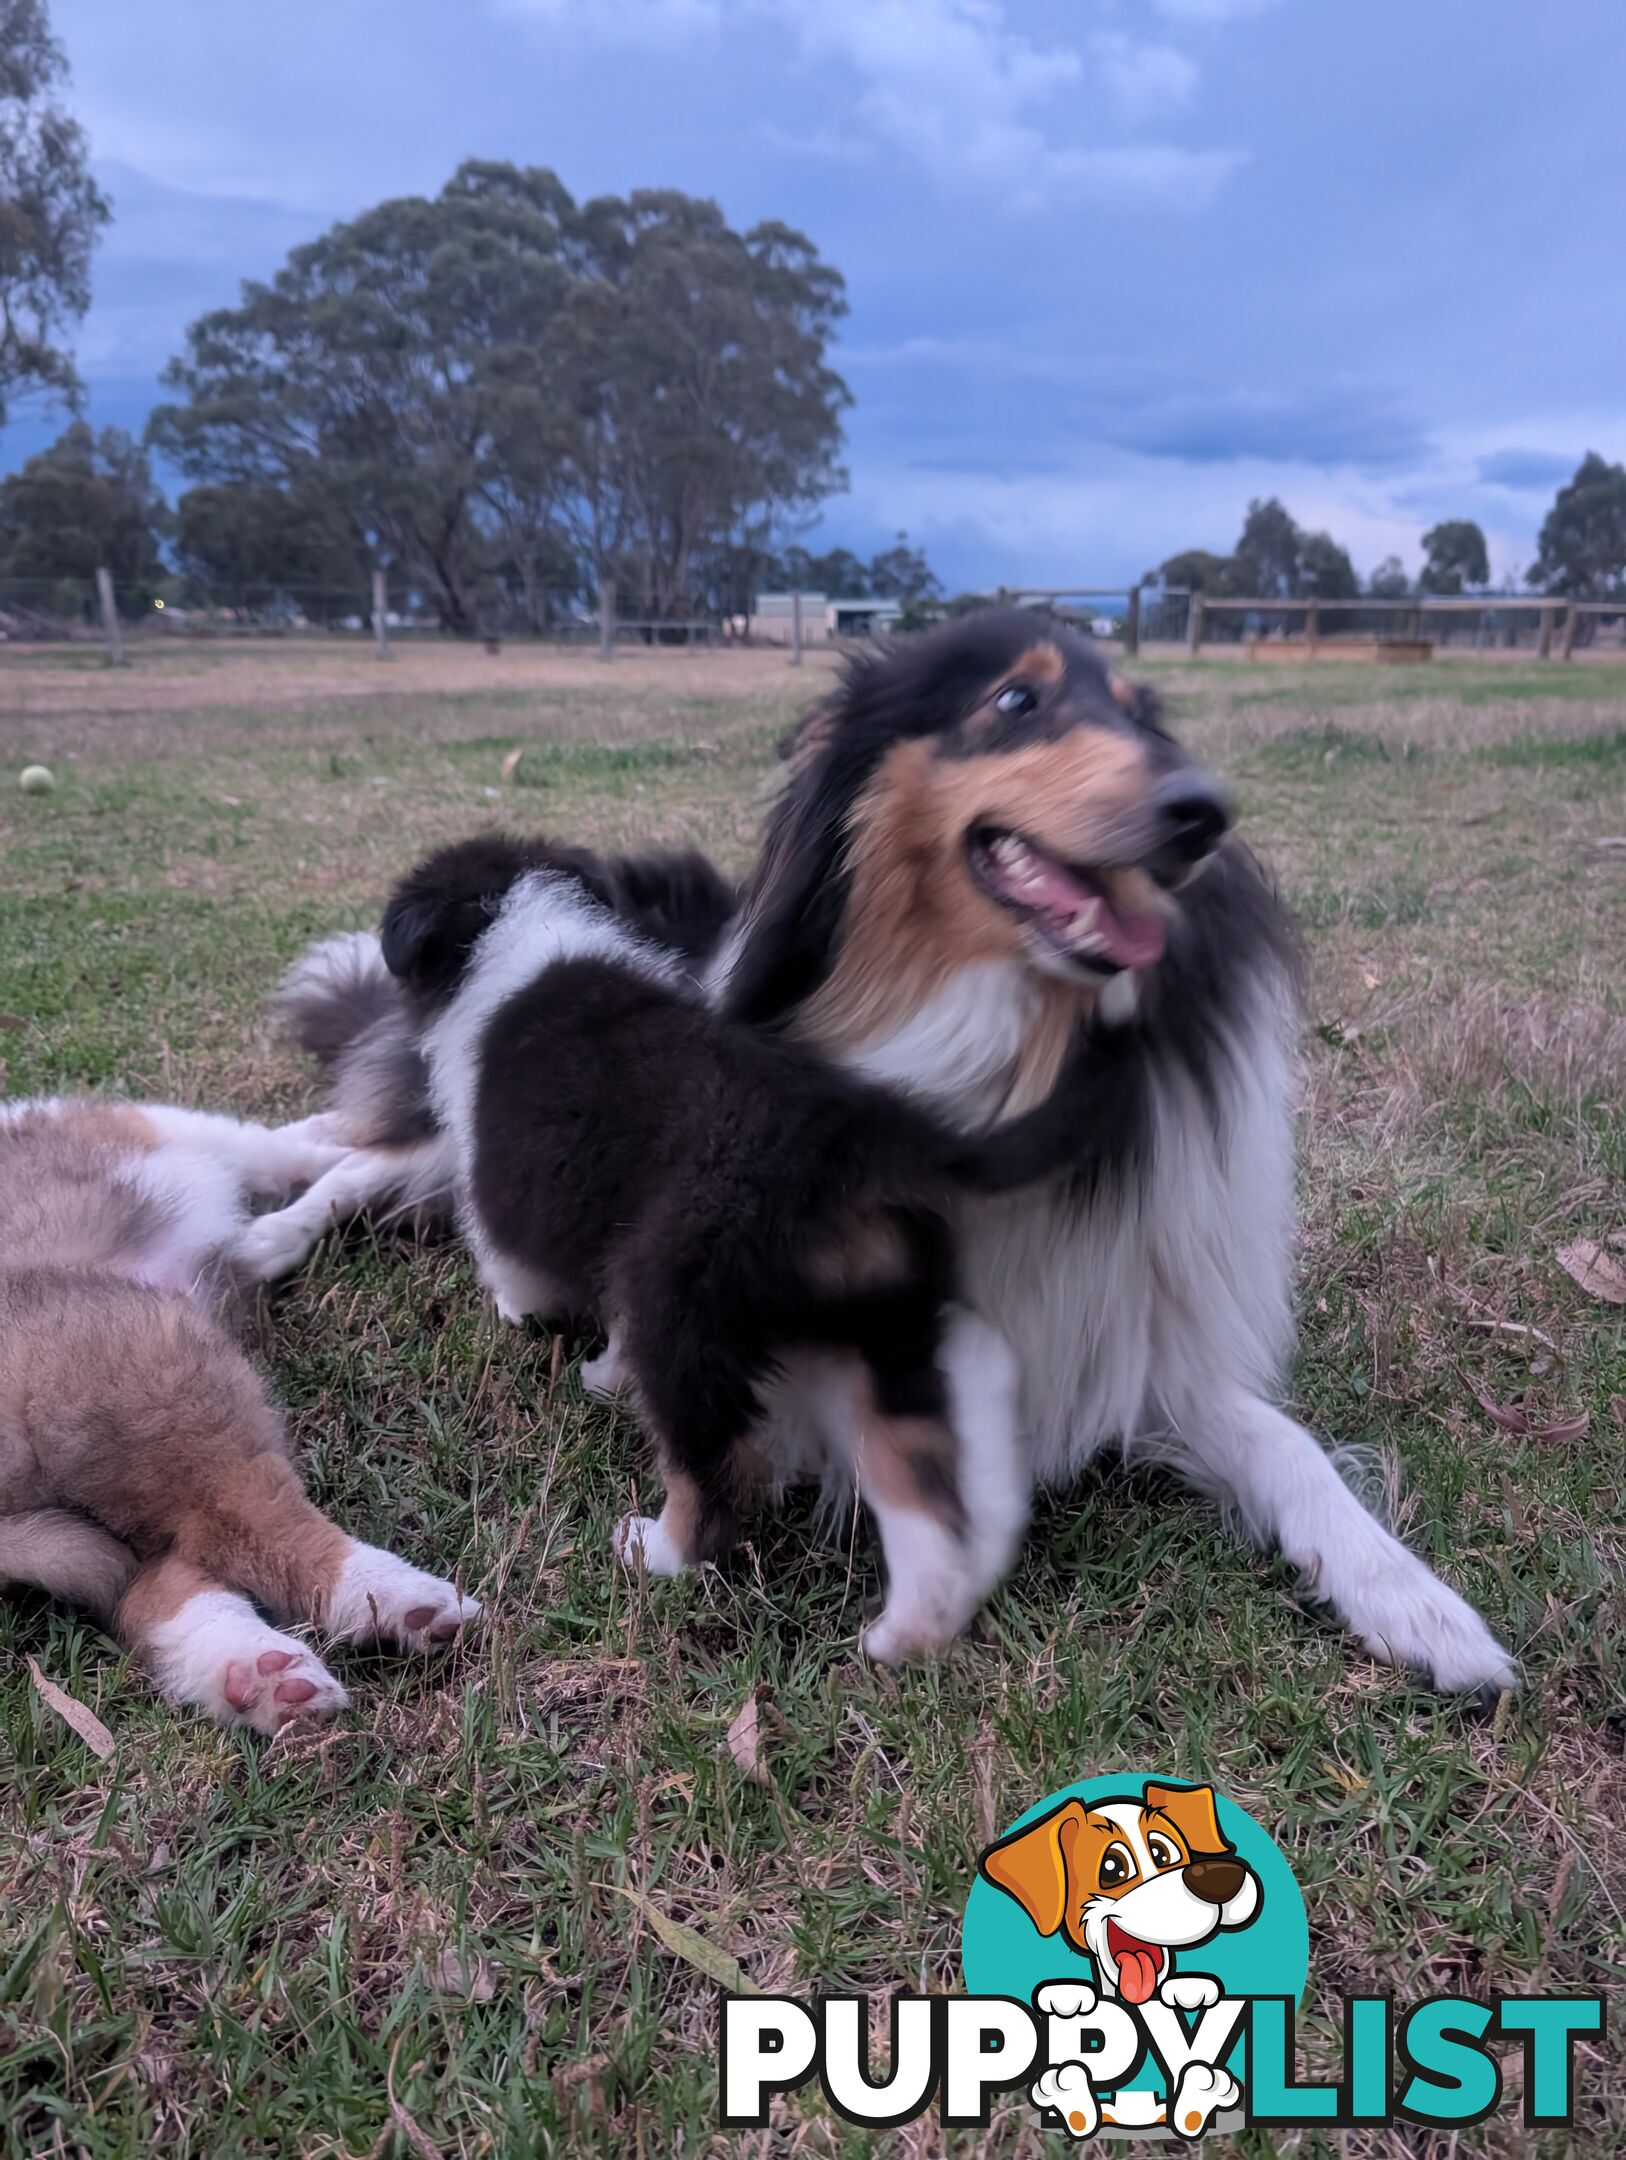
{"type": "Point", "coordinates": [1128, 1882]}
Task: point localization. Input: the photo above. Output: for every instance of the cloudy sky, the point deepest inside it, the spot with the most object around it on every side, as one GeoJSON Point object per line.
{"type": "Point", "coordinates": [1115, 266]}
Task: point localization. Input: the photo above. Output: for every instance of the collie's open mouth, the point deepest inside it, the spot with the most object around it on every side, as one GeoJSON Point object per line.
{"type": "Point", "coordinates": [1140, 1965]}
{"type": "Point", "coordinates": [1078, 912]}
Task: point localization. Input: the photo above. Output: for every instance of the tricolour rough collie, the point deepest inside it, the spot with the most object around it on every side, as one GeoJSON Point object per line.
{"type": "Point", "coordinates": [718, 1201]}
{"type": "Point", "coordinates": [144, 1471]}
{"type": "Point", "coordinates": [983, 846]}
{"type": "Point", "coordinates": [979, 848]}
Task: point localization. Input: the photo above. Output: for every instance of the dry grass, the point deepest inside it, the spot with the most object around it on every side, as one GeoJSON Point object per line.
{"type": "Point", "coordinates": [211, 1948]}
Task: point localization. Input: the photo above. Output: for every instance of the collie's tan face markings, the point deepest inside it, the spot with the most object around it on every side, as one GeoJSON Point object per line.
{"type": "Point", "coordinates": [916, 914]}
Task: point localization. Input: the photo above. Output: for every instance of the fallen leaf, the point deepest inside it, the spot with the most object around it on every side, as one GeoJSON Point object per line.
{"type": "Point", "coordinates": [12, 1021]}
{"type": "Point", "coordinates": [510, 764]}
{"type": "Point", "coordinates": [745, 1742]}
{"type": "Point", "coordinates": [85, 1722]}
{"type": "Point", "coordinates": [1514, 1420]}
{"type": "Point", "coordinates": [688, 1944]}
{"type": "Point", "coordinates": [1599, 1273]}
{"type": "Point", "coordinates": [473, 1983]}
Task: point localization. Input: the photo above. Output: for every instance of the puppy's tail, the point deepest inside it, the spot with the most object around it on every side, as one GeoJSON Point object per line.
{"type": "Point", "coordinates": [334, 992]}
{"type": "Point", "coordinates": [67, 1554]}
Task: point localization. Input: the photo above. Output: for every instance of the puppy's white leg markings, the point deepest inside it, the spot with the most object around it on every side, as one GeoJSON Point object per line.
{"type": "Point", "coordinates": [641, 1541]}
{"type": "Point", "coordinates": [217, 1653]}
{"type": "Point", "coordinates": [607, 1374]}
{"type": "Point", "coordinates": [378, 1595]}
{"type": "Point", "coordinates": [1066, 1999]}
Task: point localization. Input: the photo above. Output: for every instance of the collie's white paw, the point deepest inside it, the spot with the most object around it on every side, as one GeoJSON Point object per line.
{"type": "Point", "coordinates": [641, 1541]}
{"type": "Point", "coordinates": [217, 1653]}
{"type": "Point", "coordinates": [1407, 1616]}
{"type": "Point", "coordinates": [378, 1597]}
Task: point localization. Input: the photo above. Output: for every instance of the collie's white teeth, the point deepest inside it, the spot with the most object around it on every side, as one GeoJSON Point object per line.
{"type": "Point", "coordinates": [1081, 930]}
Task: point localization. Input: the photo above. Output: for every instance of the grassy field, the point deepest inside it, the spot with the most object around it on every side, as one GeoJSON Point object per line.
{"type": "Point", "coordinates": [437, 1927]}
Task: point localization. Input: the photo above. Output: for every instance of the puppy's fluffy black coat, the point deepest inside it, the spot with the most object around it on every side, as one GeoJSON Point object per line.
{"type": "Point", "coordinates": [718, 1199]}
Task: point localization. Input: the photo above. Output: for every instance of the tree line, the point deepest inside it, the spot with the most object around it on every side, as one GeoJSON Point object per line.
{"type": "Point", "coordinates": [510, 402]}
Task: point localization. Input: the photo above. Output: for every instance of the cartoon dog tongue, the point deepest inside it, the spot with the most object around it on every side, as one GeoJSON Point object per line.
{"type": "Point", "coordinates": [1138, 1966]}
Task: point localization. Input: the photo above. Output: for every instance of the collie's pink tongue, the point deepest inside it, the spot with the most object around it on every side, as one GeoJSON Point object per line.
{"type": "Point", "coordinates": [1076, 911]}
{"type": "Point", "coordinates": [1137, 1967]}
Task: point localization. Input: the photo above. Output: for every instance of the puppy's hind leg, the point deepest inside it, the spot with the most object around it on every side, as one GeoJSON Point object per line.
{"type": "Point", "coordinates": [700, 1402]}
{"type": "Point", "coordinates": [206, 1646]}
{"type": "Point", "coordinates": [268, 1159]}
{"type": "Point", "coordinates": [358, 1181]}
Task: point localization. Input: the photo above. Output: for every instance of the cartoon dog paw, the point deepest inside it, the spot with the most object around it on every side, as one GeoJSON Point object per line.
{"type": "Point", "coordinates": [1189, 1991]}
{"type": "Point", "coordinates": [1068, 2090]}
{"type": "Point", "coordinates": [1203, 2092]}
{"type": "Point", "coordinates": [1065, 1999]}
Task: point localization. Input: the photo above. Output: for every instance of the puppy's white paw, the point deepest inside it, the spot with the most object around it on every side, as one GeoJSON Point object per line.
{"type": "Point", "coordinates": [1189, 1991]}
{"type": "Point", "coordinates": [379, 1596]}
{"type": "Point", "coordinates": [1069, 2091]}
{"type": "Point", "coordinates": [641, 1541]}
{"type": "Point", "coordinates": [605, 1375]}
{"type": "Point", "coordinates": [898, 1639]}
{"type": "Point", "coordinates": [1204, 2090]}
{"type": "Point", "coordinates": [273, 1245]}
{"type": "Point", "coordinates": [217, 1653]}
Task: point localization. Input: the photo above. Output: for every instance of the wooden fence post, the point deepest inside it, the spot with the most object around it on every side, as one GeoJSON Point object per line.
{"type": "Point", "coordinates": [796, 629]}
{"type": "Point", "coordinates": [606, 617]}
{"type": "Point", "coordinates": [1194, 625]}
{"type": "Point", "coordinates": [1312, 625]}
{"type": "Point", "coordinates": [1132, 623]}
{"type": "Point", "coordinates": [1572, 623]}
{"type": "Point", "coordinates": [111, 628]}
{"type": "Point", "coordinates": [381, 627]}
{"type": "Point", "coordinates": [1544, 644]}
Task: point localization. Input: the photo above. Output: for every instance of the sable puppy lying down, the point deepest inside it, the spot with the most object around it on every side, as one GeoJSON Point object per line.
{"type": "Point", "coordinates": [144, 1470]}
{"type": "Point", "coordinates": [720, 1201]}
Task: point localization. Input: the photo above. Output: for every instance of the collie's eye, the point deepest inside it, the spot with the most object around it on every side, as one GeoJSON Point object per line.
{"type": "Point", "coordinates": [1162, 1852]}
{"type": "Point", "coordinates": [1016, 698]}
{"type": "Point", "coordinates": [1117, 1866]}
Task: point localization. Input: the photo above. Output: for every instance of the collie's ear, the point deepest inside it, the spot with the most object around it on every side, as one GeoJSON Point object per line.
{"type": "Point", "coordinates": [790, 917]}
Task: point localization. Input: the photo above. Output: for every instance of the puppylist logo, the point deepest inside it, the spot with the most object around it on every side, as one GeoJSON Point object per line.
{"type": "Point", "coordinates": [1134, 1953]}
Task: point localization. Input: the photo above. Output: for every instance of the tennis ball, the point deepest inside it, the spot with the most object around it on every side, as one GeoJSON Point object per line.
{"type": "Point", "coordinates": [36, 779]}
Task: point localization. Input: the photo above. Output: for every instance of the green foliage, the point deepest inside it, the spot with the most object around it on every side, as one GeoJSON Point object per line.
{"type": "Point", "coordinates": [1583, 539]}
{"type": "Point", "coordinates": [1325, 571]}
{"type": "Point", "coordinates": [500, 389]}
{"type": "Point", "coordinates": [1389, 580]}
{"type": "Point", "coordinates": [1196, 570]}
{"type": "Point", "coordinates": [51, 211]}
{"type": "Point", "coordinates": [1455, 557]}
{"type": "Point", "coordinates": [87, 501]}
{"type": "Point", "coordinates": [1266, 557]}
{"type": "Point", "coordinates": [256, 544]}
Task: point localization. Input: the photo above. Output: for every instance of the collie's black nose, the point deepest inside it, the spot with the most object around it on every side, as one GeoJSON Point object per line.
{"type": "Point", "coordinates": [1193, 817]}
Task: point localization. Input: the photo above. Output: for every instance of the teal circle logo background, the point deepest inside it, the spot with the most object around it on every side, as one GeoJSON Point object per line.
{"type": "Point", "coordinates": [1003, 1953]}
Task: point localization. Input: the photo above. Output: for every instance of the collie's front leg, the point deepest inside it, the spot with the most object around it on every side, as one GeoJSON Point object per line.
{"type": "Point", "coordinates": [1290, 1495]}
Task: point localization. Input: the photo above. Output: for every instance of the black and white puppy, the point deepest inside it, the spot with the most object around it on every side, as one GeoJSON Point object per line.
{"type": "Point", "coordinates": [721, 1202]}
